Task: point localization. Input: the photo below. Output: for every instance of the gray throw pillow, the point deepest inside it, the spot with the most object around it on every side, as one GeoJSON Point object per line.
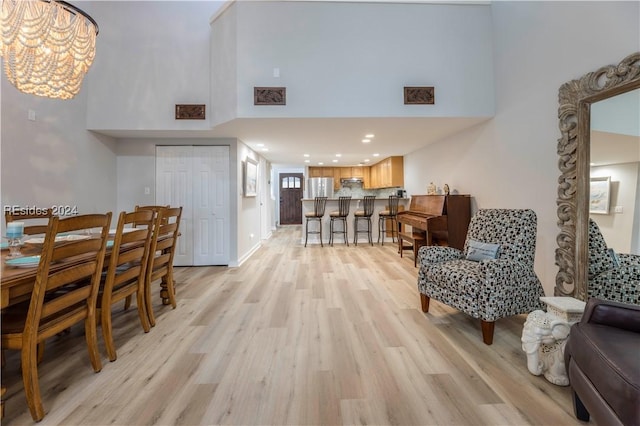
{"type": "Point", "coordinates": [478, 251]}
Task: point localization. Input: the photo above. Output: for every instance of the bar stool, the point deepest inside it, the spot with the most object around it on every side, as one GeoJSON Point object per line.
{"type": "Point", "coordinates": [341, 215]}
{"type": "Point", "coordinates": [317, 214]}
{"type": "Point", "coordinates": [364, 215]}
{"type": "Point", "coordinates": [390, 215]}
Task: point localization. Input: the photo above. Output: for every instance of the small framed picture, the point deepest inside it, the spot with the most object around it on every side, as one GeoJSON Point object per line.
{"type": "Point", "coordinates": [250, 178]}
{"type": "Point", "coordinates": [599, 195]}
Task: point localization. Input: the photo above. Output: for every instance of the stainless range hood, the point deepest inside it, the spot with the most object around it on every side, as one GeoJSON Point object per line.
{"type": "Point", "coordinates": [349, 181]}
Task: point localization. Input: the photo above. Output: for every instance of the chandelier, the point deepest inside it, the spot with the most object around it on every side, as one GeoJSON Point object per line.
{"type": "Point", "coordinates": [47, 46]}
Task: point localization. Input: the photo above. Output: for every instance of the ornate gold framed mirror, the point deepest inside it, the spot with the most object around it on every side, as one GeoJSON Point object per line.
{"type": "Point", "coordinates": [575, 98]}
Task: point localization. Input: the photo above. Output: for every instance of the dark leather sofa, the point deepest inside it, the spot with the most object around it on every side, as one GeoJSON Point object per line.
{"type": "Point", "coordinates": [602, 357]}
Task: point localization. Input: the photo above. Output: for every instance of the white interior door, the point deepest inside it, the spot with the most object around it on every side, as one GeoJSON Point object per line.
{"type": "Point", "coordinates": [174, 187]}
{"type": "Point", "coordinates": [197, 178]}
{"type": "Point", "coordinates": [211, 205]}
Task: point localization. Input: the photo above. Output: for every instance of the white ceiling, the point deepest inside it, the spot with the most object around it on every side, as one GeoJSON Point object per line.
{"type": "Point", "coordinates": [286, 140]}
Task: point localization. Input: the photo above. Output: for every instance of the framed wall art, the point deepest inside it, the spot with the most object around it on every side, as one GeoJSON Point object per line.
{"type": "Point", "coordinates": [190, 112]}
{"type": "Point", "coordinates": [269, 95]}
{"type": "Point", "coordinates": [250, 181]}
{"type": "Point", "coordinates": [599, 195]}
{"type": "Point", "coordinates": [419, 95]}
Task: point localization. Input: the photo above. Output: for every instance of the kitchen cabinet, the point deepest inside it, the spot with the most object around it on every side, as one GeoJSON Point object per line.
{"type": "Point", "coordinates": [336, 178]}
{"type": "Point", "coordinates": [385, 174]}
{"type": "Point", "coordinates": [388, 173]}
{"type": "Point", "coordinates": [345, 172]}
{"type": "Point", "coordinates": [374, 180]}
{"type": "Point", "coordinates": [321, 172]}
{"type": "Point", "coordinates": [357, 172]}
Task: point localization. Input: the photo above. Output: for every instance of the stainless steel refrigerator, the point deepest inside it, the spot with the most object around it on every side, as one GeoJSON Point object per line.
{"type": "Point", "coordinates": [320, 187]}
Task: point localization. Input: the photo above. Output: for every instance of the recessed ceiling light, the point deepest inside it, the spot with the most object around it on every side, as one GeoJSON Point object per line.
{"type": "Point", "coordinates": [366, 160]}
{"type": "Point", "coordinates": [369, 136]}
{"type": "Point", "coordinates": [306, 155]}
{"type": "Point", "coordinates": [265, 149]}
{"type": "Point", "coordinates": [338, 155]}
{"type": "Point", "coordinates": [260, 144]}
{"type": "Point", "coordinates": [320, 163]}
{"type": "Point", "coordinates": [307, 161]}
{"type": "Point", "coordinates": [366, 140]}
{"type": "Point", "coordinates": [376, 155]}
{"type": "Point", "coordinates": [335, 161]}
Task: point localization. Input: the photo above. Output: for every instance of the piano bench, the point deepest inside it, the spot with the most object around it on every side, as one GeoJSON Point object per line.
{"type": "Point", "coordinates": [415, 240]}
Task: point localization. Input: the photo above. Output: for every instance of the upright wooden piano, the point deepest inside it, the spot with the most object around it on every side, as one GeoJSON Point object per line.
{"type": "Point", "coordinates": [434, 220]}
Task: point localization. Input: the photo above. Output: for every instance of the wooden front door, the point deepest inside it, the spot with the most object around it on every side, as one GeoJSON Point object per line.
{"type": "Point", "coordinates": [291, 198]}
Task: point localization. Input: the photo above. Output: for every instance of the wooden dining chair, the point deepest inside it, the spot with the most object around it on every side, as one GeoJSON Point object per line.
{"type": "Point", "coordinates": [161, 253]}
{"type": "Point", "coordinates": [58, 299]}
{"type": "Point", "coordinates": [154, 208]}
{"type": "Point", "coordinates": [35, 222]}
{"type": "Point", "coordinates": [126, 272]}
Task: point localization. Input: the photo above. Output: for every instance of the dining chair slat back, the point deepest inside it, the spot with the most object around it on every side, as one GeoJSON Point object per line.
{"type": "Point", "coordinates": [160, 264]}
{"type": "Point", "coordinates": [35, 222]}
{"type": "Point", "coordinates": [155, 208]}
{"type": "Point", "coordinates": [126, 271]}
{"type": "Point", "coordinates": [61, 297]}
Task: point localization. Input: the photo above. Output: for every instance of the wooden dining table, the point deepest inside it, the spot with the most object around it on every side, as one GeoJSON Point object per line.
{"type": "Point", "coordinates": [16, 283]}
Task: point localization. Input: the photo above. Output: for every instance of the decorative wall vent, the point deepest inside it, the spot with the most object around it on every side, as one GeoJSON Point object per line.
{"type": "Point", "coordinates": [269, 95]}
{"type": "Point", "coordinates": [419, 96]}
{"type": "Point", "coordinates": [190, 112]}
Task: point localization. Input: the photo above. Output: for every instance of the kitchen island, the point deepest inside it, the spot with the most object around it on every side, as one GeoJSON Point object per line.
{"type": "Point", "coordinates": [356, 204]}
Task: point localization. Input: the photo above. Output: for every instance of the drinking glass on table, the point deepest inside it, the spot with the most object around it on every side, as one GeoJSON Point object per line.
{"type": "Point", "coordinates": [15, 232]}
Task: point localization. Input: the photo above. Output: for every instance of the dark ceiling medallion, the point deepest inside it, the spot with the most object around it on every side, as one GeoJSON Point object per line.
{"type": "Point", "coordinates": [269, 95]}
{"type": "Point", "coordinates": [190, 112]}
{"type": "Point", "coordinates": [419, 96]}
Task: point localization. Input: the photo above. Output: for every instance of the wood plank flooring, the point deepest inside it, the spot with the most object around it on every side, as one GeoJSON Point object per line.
{"type": "Point", "coordinates": [296, 336]}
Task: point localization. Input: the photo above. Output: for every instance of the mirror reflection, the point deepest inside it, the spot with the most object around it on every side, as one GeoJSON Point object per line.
{"type": "Point", "coordinates": [615, 155]}
{"type": "Point", "coordinates": [614, 198]}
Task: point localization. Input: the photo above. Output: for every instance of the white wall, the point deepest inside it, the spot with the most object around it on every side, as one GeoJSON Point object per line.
{"type": "Point", "coordinates": [511, 161]}
{"type": "Point", "coordinates": [150, 56]}
{"type": "Point", "coordinates": [340, 59]}
{"type": "Point", "coordinates": [224, 77]}
{"type": "Point", "coordinates": [249, 224]}
{"type": "Point", "coordinates": [54, 160]}
{"type": "Point", "coordinates": [267, 202]}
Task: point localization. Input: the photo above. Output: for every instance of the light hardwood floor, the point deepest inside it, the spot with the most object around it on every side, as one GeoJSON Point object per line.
{"type": "Point", "coordinates": [296, 336]}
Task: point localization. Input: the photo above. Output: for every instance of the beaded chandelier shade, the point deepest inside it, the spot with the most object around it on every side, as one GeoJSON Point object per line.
{"type": "Point", "coordinates": [47, 46]}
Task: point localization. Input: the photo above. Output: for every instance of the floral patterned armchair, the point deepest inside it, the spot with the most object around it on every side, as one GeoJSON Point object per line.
{"type": "Point", "coordinates": [493, 276]}
{"type": "Point", "coordinates": [612, 276]}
